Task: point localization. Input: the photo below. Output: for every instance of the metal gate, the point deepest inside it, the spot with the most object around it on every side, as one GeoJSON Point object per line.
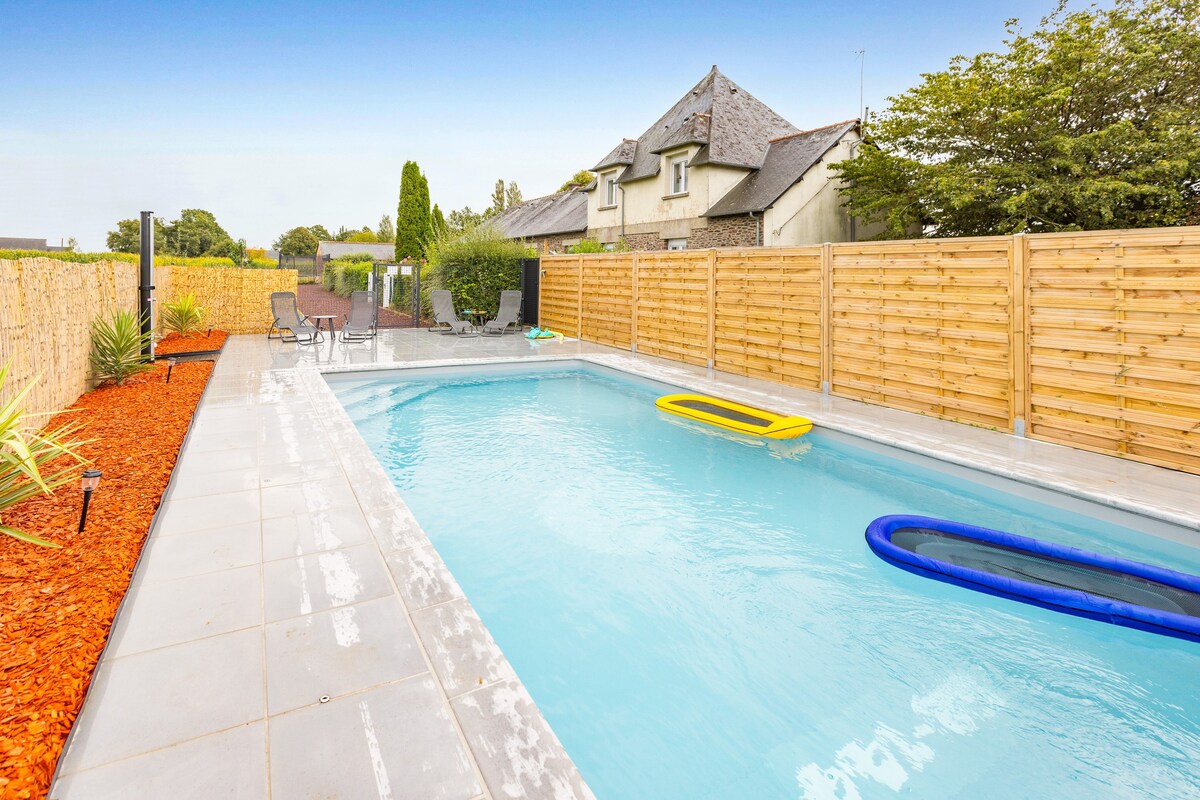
{"type": "Point", "coordinates": [530, 280]}
{"type": "Point", "coordinates": [397, 290]}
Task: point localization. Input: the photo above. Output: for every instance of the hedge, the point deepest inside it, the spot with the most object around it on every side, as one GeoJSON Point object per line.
{"type": "Point", "coordinates": [346, 275]}
{"type": "Point", "coordinates": [133, 258]}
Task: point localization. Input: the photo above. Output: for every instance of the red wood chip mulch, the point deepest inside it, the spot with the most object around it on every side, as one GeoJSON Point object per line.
{"type": "Point", "coordinates": [174, 343]}
{"type": "Point", "coordinates": [56, 605]}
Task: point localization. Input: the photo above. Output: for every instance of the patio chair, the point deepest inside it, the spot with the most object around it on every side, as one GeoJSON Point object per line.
{"type": "Point", "coordinates": [360, 322]}
{"type": "Point", "coordinates": [510, 308]}
{"type": "Point", "coordinates": [292, 326]}
{"type": "Point", "coordinates": [444, 314]}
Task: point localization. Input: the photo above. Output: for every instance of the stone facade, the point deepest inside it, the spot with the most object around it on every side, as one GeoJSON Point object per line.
{"type": "Point", "coordinates": [740, 230]}
{"type": "Point", "coordinates": [645, 241]}
{"type": "Point", "coordinates": [556, 243]}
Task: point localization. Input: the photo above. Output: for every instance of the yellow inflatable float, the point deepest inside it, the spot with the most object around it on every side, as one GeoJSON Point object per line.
{"type": "Point", "coordinates": [734, 416]}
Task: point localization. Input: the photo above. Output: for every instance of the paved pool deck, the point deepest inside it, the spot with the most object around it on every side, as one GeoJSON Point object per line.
{"type": "Point", "coordinates": [291, 633]}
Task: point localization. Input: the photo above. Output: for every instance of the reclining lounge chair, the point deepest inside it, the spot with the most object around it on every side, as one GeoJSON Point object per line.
{"type": "Point", "coordinates": [510, 309]}
{"type": "Point", "coordinates": [360, 322]}
{"type": "Point", "coordinates": [444, 314]}
{"type": "Point", "coordinates": [292, 326]}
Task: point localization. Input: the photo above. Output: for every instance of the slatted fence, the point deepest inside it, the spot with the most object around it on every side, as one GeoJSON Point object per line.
{"type": "Point", "coordinates": [1086, 339]}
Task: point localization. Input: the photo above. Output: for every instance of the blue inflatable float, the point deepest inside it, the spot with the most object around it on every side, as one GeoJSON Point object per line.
{"type": "Point", "coordinates": [1053, 576]}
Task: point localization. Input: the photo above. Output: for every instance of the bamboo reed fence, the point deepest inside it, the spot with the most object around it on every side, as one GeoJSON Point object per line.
{"type": "Point", "coordinates": [47, 308]}
{"type": "Point", "coordinates": [1085, 339]}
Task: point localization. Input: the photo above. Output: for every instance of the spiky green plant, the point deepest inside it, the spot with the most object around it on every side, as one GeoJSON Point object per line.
{"type": "Point", "coordinates": [117, 345]}
{"type": "Point", "coordinates": [183, 316]}
{"type": "Point", "coordinates": [24, 450]}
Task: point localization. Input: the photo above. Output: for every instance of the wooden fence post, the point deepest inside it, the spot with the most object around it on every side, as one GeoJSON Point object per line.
{"type": "Point", "coordinates": [826, 318]}
{"type": "Point", "coordinates": [634, 311]}
{"type": "Point", "coordinates": [579, 299]}
{"type": "Point", "coordinates": [712, 307]}
{"type": "Point", "coordinates": [1018, 337]}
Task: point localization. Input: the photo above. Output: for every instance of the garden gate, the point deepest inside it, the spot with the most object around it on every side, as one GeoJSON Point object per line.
{"type": "Point", "coordinates": [397, 290]}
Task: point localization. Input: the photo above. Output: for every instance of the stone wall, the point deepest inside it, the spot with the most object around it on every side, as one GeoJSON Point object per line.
{"type": "Point", "coordinates": [556, 244]}
{"type": "Point", "coordinates": [735, 231]}
{"type": "Point", "coordinates": [645, 241]}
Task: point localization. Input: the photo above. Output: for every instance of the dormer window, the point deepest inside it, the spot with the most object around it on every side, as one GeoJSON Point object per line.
{"type": "Point", "coordinates": [679, 175]}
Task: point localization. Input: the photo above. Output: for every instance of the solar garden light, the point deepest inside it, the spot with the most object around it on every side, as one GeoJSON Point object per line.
{"type": "Point", "coordinates": [171, 362]}
{"type": "Point", "coordinates": [91, 479]}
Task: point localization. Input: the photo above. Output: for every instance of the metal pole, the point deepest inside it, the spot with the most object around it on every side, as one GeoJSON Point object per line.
{"type": "Point", "coordinates": [146, 279]}
{"type": "Point", "coordinates": [87, 499]}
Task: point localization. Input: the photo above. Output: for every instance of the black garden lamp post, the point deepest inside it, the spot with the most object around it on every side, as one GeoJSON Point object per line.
{"type": "Point", "coordinates": [91, 479]}
{"type": "Point", "coordinates": [171, 362]}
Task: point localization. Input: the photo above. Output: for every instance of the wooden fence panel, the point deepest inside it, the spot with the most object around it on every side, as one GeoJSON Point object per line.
{"type": "Point", "coordinates": [608, 300]}
{"type": "Point", "coordinates": [558, 301]}
{"type": "Point", "coordinates": [768, 314]}
{"type": "Point", "coordinates": [673, 305]}
{"type": "Point", "coordinates": [1114, 343]}
{"type": "Point", "coordinates": [924, 326]}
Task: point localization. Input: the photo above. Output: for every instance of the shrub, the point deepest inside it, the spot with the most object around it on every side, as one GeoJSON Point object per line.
{"type": "Point", "coordinates": [476, 265]}
{"type": "Point", "coordinates": [346, 275]}
{"type": "Point", "coordinates": [117, 345]}
{"type": "Point", "coordinates": [24, 451]}
{"type": "Point", "coordinates": [183, 316]}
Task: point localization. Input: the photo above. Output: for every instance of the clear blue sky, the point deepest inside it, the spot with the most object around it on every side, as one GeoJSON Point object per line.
{"type": "Point", "coordinates": [276, 115]}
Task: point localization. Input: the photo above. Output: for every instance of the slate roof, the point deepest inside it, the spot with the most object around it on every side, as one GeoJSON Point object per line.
{"type": "Point", "coordinates": [786, 160]}
{"type": "Point", "coordinates": [622, 154]}
{"type": "Point", "coordinates": [562, 212]}
{"type": "Point", "coordinates": [733, 126]}
{"type": "Point", "coordinates": [380, 251]}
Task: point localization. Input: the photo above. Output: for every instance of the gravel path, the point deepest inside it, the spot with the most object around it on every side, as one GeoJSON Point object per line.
{"type": "Point", "coordinates": [316, 299]}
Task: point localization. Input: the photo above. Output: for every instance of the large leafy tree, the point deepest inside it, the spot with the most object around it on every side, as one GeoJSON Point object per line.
{"type": "Point", "coordinates": [1091, 121]}
{"type": "Point", "coordinates": [197, 233]}
{"type": "Point", "coordinates": [412, 212]}
{"type": "Point", "coordinates": [297, 242]}
{"type": "Point", "coordinates": [512, 195]}
{"type": "Point", "coordinates": [581, 178]}
{"type": "Point", "coordinates": [321, 232]}
{"type": "Point", "coordinates": [126, 238]}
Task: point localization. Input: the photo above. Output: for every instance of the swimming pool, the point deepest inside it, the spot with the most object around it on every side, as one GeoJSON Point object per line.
{"type": "Point", "coordinates": [698, 615]}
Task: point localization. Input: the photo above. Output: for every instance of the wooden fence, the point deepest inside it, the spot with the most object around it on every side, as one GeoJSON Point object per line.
{"type": "Point", "coordinates": [1086, 339]}
{"type": "Point", "coordinates": [47, 308]}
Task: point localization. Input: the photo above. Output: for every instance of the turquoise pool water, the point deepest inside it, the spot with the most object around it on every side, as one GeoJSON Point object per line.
{"type": "Point", "coordinates": [698, 615]}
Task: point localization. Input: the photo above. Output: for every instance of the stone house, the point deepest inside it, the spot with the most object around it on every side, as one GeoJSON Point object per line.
{"type": "Point", "coordinates": [721, 169]}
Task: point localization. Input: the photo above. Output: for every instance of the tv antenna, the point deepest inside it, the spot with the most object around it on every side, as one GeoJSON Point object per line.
{"type": "Point", "coordinates": [862, 66]}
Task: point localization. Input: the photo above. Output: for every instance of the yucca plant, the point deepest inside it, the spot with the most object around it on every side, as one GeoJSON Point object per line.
{"type": "Point", "coordinates": [183, 316]}
{"type": "Point", "coordinates": [117, 345]}
{"type": "Point", "coordinates": [24, 450]}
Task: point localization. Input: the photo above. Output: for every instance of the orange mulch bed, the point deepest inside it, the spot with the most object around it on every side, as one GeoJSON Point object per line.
{"type": "Point", "coordinates": [56, 605]}
{"type": "Point", "coordinates": [192, 343]}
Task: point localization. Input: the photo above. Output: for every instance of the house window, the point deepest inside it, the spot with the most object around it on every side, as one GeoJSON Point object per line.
{"type": "Point", "coordinates": [677, 244]}
{"type": "Point", "coordinates": [610, 189]}
{"type": "Point", "coordinates": [679, 172]}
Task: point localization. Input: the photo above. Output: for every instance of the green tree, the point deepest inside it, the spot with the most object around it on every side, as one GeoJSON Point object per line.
{"type": "Point", "coordinates": [463, 219]}
{"type": "Point", "coordinates": [498, 196]}
{"type": "Point", "coordinates": [1089, 122]}
{"type": "Point", "coordinates": [512, 195]}
{"type": "Point", "coordinates": [412, 212]}
{"type": "Point", "coordinates": [387, 231]}
{"type": "Point", "coordinates": [321, 232]}
{"type": "Point", "coordinates": [581, 178]}
{"type": "Point", "coordinates": [437, 222]}
{"type": "Point", "coordinates": [126, 238]}
{"type": "Point", "coordinates": [237, 252]}
{"type": "Point", "coordinates": [362, 236]}
{"type": "Point", "coordinates": [296, 242]}
{"type": "Point", "coordinates": [196, 233]}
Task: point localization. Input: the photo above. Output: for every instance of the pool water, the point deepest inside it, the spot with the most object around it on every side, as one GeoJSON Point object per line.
{"type": "Point", "coordinates": [697, 614]}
